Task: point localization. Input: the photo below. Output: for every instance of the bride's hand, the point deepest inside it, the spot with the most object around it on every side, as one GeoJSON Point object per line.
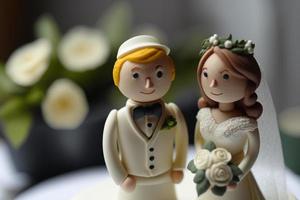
{"type": "Point", "coordinates": [232, 186]}
{"type": "Point", "coordinates": [129, 184]}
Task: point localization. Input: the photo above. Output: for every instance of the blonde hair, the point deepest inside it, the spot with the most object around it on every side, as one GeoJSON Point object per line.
{"type": "Point", "coordinates": [145, 55]}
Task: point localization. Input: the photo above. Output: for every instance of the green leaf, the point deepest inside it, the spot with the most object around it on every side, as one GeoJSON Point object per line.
{"type": "Point", "coordinates": [238, 50]}
{"type": "Point", "coordinates": [169, 122]}
{"type": "Point", "coordinates": [202, 53]}
{"type": "Point", "coordinates": [191, 166]}
{"type": "Point", "coordinates": [35, 96]}
{"type": "Point", "coordinates": [242, 41]}
{"type": "Point", "coordinates": [235, 179]}
{"type": "Point", "coordinates": [116, 22]}
{"type": "Point", "coordinates": [7, 86]}
{"type": "Point", "coordinates": [209, 146]}
{"type": "Point", "coordinates": [220, 191]}
{"type": "Point", "coordinates": [16, 127]}
{"type": "Point", "coordinates": [222, 40]}
{"type": "Point", "coordinates": [202, 187]}
{"type": "Point", "coordinates": [200, 175]}
{"type": "Point", "coordinates": [46, 27]}
{"type": "Point", "coordinates": [229, 37]}
{"type": "Point", "coordinates": [12, 107]}
{"type": "Point", "coordinates": [235, 170]}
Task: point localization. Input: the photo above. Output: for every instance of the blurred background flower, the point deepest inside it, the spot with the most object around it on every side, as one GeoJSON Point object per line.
{"type": "Point", "coordinates": [65, 105]}
{"type": "Point", "coordinates": [28, 63]}
{"type": "Point", "coordinates": [83, 49]}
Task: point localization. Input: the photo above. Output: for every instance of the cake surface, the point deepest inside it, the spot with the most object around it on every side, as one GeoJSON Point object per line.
{"type": "Point", "coordinates": [109, 190]}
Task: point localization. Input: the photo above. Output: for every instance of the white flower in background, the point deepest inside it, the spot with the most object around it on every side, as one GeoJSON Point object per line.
{"type": "Point", "coordinates": [228, 44]}
{"type": "Point", "coordinates": [202, 159]}
{"type": "Point", "coordinates": [219, 174]}
{"type": "Point", "coordinates": [65, 105]}
{"type": "Point", "coordinates": [28, 63]}
{"type": "Point", "coordinates": [83, 49]}
{"type": "Point", "coordinates": [220, 155]}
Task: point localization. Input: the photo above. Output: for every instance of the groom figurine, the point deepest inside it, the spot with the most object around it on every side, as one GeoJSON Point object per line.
{"type": "Point", "coordinates": [145, 142]}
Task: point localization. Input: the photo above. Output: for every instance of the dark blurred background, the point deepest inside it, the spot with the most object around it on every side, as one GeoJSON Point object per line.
{"type": "Point", "coordinates": [272, 24]}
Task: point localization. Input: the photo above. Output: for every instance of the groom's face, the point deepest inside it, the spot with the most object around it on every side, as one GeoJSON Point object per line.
{"type": "Point", "coordinates": [146, 82]}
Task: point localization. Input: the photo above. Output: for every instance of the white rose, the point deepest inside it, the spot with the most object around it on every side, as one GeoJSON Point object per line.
{"type": "Point", "coordinates": [228, 44]}
{"type": "Point", "coordinates": [219, 174]}
{"type": "Point", "coordinates": [65, 105]}
{"type": "Point", "coordinates": [27, 64]}
{"type": "Point", "coordinates": [220, 155]}
{"type": "Point", "coordinates": [83, 49]}
{"type": "Point", "coordinates": [202, 159]}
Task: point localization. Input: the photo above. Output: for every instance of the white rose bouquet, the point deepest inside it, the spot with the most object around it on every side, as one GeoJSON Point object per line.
{"type": "Point", "coordinates": [213, 169]}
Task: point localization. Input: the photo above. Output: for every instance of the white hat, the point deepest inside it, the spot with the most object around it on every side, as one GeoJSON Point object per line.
{"type": "Point", "coordinates": [139, 42]}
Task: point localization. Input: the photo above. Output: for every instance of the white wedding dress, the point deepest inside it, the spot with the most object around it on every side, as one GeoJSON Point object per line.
{"type": "Point", "coordinates": [230, 134]}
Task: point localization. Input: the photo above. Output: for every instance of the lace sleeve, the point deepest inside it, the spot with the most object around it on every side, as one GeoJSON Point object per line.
{"type": "Point", "coordinates": [240, 124]}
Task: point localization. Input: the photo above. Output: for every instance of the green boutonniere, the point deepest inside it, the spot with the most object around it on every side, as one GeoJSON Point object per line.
{"type": "Point", "coordinates": [169, 123]}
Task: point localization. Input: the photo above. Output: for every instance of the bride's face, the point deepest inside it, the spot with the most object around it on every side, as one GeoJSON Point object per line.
{"type": "Point", "coordinates": [220, 83]}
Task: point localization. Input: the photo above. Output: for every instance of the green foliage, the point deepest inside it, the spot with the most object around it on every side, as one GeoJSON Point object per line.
{"type": "Point", "coordinates": [235, 179]}
{"type": "Point", "coordinates": [7, 86]}
{"type": "Point", "coordinates": [46, 27]}
{"type": "Point", "coordinates": [169, 123]}
{"type": "Point", "coordinates": [34, 96]}
{"type": "Point", "coordinates": [220, 191]}
{"type": "Point", "coordinates": [202, 186]}
{"type": "Point", "coordinates": [16, 128]}
{"type": "Point", "coordinates": [238, 46]}
{"type": "Point", "coordinates": [200, 175]}
{"type": "Point", "coordinates": [116, 22]}
{"type": "Point", "coordinates": [239, 50]}
{"type": "Point", "coordinates": [191, 166]}
{"type": "Point", "coordinates": [235, 170]}
{"type": "Point", "coordinates": [209, 146]}
{"type": "Point", "coordinates": [16, 120]}
{"type": "Point", "coordinates": [11, 107]}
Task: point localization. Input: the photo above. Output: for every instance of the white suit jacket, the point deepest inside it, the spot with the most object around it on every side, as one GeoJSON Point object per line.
{"type": "Point", "coordinates": [127, 151]}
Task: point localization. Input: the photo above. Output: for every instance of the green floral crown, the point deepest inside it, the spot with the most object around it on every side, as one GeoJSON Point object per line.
{"type": "Point", "coordinates": [241, 47]}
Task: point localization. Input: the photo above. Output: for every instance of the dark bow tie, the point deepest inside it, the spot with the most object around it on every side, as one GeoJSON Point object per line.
{"type": "Point", "coordinates": [153, 109]}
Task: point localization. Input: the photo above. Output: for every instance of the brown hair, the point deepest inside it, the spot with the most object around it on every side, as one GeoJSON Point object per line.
{"type": "Point", "coordinates": [244, 65]}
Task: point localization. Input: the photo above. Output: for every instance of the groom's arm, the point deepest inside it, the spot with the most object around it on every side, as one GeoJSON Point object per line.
{"type": "Point", "coordinates": [110, 149]}
{"type": "Point", "coordinates": [181, 138]}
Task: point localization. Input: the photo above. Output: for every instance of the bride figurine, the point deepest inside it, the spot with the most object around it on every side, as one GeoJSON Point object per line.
{"type": "Point", "coordinates": [228, 76]}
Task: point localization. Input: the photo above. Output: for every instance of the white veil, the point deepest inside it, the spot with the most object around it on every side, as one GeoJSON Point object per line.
{"type": "Point", "coordinates": [269, 167]}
